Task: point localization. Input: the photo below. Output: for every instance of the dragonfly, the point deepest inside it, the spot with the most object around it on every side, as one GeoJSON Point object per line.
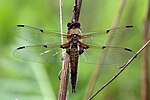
{"type": "Point", "coordinates": [87, 47]}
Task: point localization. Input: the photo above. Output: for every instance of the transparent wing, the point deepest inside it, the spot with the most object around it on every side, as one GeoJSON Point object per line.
{"type": "Point", "coordinates": [106, 55]}
{"type": "Point", "coordinates": [39, 53]}
{"type": "Point", "coordinates": [115, 36]}
{"type": "Point", "coordinates": [106, 46]}
{"type": "Point", "coordinates": [39, 36]}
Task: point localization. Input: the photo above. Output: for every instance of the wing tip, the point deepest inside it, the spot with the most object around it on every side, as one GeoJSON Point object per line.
{"type": "Point", "coordinates": [130, 26]}
{"type": "Point", "coordinates": [20, 47]}
{"type": "Point", "coordinates": [20, 25]}
{"type": "Point", "coordinates": [127, 49]}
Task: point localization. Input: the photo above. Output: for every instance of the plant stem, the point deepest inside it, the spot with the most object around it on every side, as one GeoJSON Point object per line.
{"type": "Point", "coordinates": [145, 74]}
{"type": "Point", "coordinates": [122, 69]}
{"type": "Point", "coordinates": [98, 68]}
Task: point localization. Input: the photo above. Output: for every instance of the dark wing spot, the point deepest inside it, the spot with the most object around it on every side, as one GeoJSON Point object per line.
{"type": "Point", "coordinates": [128, 49]}
{"type": "Point", "coordinates": [20, 48]}
{"type": "Point", "coordinates": [45, 46]}
{"type": "Point", "coordinates": [129, 26]}
{"type": "Point", "coordinates": [103, 47]}
{"type": "Point", "coordinates": [20, 25]}
{"type": "Point", "coordinates": [41, 30]}
{"type": "Point", "coordinates": [107, 31]}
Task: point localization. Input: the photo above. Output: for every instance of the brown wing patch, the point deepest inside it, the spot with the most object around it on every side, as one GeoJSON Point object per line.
{"type": "Point", "coordinates": [83, 36]}
{"type": "Point", "coordinates": [85, 46]}
{"type": "Point", "coordinates": [65, 45]}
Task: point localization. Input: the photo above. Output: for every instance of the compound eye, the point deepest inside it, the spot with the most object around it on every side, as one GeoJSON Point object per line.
{"type": "Point", "coordinates": [69, 24]}
{"type": "Point", "coordinates": [77, 24]}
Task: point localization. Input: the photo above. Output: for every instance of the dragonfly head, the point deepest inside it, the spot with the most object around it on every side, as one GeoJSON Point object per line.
{"type": "Point", "coordinates": [72, 25]}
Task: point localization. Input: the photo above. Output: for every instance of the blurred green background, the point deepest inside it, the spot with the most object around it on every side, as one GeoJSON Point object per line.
{"type": "Point", "coordinates": [21, 80]}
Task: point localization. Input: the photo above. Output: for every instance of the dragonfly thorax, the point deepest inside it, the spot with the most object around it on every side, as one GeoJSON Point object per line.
{"type": "Point", "coordinates": [74, 39]}
{"type": "Point", "coordinates": [74, 44]}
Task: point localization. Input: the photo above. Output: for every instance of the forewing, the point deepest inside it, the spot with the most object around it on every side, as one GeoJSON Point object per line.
{"type": "Point", "coordinates": [115, 36]}
{"type": "Point", "coordinates": [106, 55]}
{"type": "Point", "coordinates": [39, 36]}
{"type": "Point", "coordinates": [39, 53]}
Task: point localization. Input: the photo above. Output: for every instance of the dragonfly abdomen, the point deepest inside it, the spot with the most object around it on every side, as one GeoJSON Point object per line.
{"type": "Point", "coordinates": [74, 54]}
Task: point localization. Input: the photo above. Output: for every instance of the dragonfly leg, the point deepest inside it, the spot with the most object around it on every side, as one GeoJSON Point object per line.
{"type": "Point", "coordinates": [83, 45]}
{"type": "Point", "coordinates": [65, 45]}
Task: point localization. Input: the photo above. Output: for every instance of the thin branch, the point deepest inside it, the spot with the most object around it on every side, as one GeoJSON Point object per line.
{"type": "Point", "coordinates": [60, 18]}
{"type": "Point", "coordinates": [145, 74]}
{"type": "Point", "coordinates": [64, 80]}
{"type": "Point", "coordinates": [65, 65]}
{"type": "Point", "coordinates": [119, 13]}
{"type": "Point", "coordinates": [98, 68]}
{"type": "Point", "coordinates": [76, 11]}
{"type": "Point", "coordinates": [122, 69]}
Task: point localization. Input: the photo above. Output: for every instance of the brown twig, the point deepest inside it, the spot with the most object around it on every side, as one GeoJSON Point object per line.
{"type": "Point", "coordinates": [64, 80]}
{"type": "Point", "coordinates": [98, 68]}
{"type": "Point", "coordinates": [66, 63]}
{"type": "Point", "coordinates": [76, 11]}
{"type": "Point", "coordinates": [122, 69]}
{"type": "Point", "coordinates": [119, 13]}
{"type": "Point", "coordinates": [145, 74]}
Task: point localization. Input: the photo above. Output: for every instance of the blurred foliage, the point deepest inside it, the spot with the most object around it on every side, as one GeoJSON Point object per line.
{"type": "Point", "coordinates": [22, 80]}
